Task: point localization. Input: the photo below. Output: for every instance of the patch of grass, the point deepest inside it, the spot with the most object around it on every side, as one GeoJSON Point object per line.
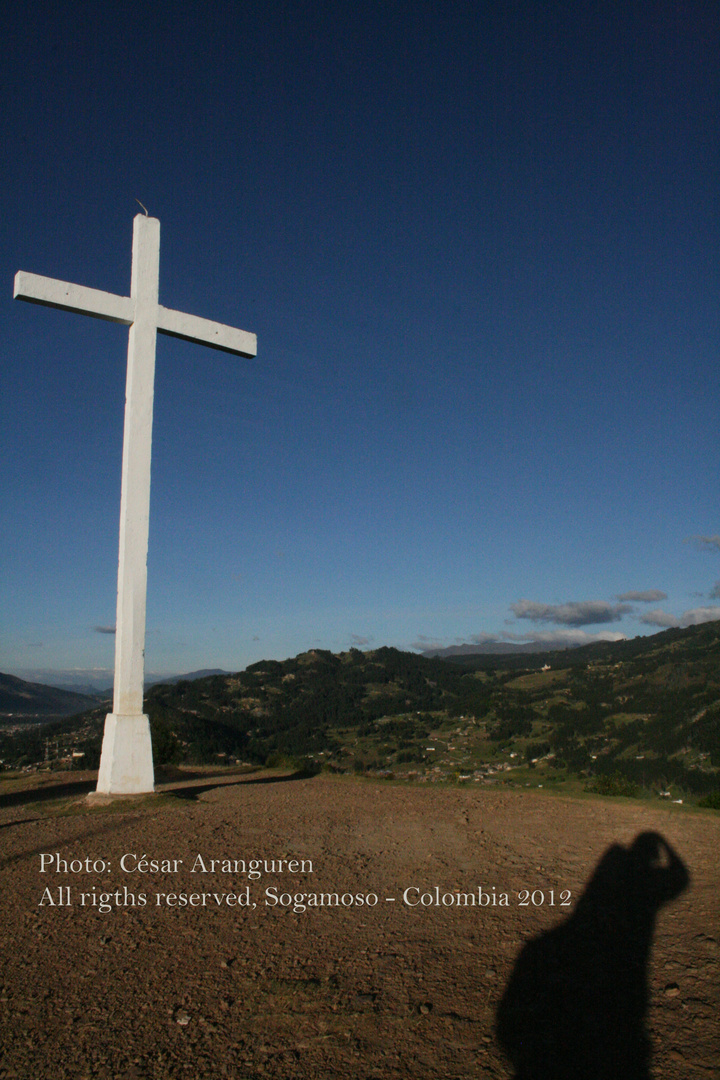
{"type": "Point", "coordinates": [614, 784]}
{"type": "Point", "coordinates": [538, 680]}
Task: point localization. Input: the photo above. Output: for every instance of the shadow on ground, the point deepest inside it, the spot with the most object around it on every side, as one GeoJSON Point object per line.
{"type": "Point", "coordinates": [191, 791]}
{"type": "Point", "coordinates": [47, 792]}
{"type": "Point", "coordinates": [181, 785]}
{"type": "Point", "coordinates": [18, 821]}
{"type": "Point", "coordinates": [575, 1004]}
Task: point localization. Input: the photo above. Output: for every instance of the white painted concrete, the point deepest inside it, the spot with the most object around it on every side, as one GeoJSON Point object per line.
{"type": "Point", "coordinates": [61, 294]}
{"type": "Point", "coordinates": [126, 765]}
{"type": "Point", "coordinates": [135, 490]}
{"type": "Point", "coordinates": [206, 332]}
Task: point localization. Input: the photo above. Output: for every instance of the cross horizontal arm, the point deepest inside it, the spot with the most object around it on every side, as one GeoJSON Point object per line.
{"type": "Point", "coordinates": [205, 332]}
{"type": "Point", "coordinates": [61, 294]}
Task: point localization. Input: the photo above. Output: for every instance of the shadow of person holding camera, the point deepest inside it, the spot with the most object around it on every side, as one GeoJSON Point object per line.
{"type": "Point", "coordinates": [574, 1008]}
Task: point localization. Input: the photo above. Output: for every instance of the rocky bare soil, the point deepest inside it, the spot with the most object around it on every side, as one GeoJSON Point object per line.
{"type": "Point", "coordinates": [249, 983]}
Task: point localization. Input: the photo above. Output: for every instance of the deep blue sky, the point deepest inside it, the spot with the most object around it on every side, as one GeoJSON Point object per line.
{"type": "Point", "coordinates": [478, 243]}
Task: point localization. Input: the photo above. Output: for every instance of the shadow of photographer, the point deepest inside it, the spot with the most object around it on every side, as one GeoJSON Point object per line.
{"type": "Point", "coordinates": [575, 1004]}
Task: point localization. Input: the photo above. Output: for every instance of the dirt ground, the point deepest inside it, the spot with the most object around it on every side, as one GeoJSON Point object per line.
{"type": "Point", "coordinates": [406, 986]}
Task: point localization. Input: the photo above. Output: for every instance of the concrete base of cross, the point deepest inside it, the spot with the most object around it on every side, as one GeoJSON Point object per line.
{"type": "Point", "coordinates": [126, 763]}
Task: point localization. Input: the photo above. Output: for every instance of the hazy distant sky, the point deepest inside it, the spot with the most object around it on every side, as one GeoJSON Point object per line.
{"type": "Point", "coordinates": [478, 243]}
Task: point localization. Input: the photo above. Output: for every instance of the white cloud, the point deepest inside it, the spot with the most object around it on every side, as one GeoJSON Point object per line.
{"type": "Point", "coordinates": [659, 618]}
{"type": "Point", "coordinates": [696, 616]}
{"type": "Point", "coordinates": [649, 596]}
{"type": "Point", "coordinates": [574, 613]}
{"type": "Point", "coordinates": [693, 617]}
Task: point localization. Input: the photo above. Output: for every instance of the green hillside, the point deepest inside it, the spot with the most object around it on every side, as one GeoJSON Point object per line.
{"type": "Point", "coordinates": [621, 717]}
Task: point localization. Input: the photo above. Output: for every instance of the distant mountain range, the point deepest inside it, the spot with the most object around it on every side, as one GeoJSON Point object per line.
{"type": "Point", "coordinates": [497, 648]}
{"type": "Point", "coordinates": [19, 698]}
{"type": "Point", "coordinates": [171, 680]}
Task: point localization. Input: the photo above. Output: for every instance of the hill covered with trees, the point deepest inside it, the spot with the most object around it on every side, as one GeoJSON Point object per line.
{"type": "Point", "coordinates": [622, 716]}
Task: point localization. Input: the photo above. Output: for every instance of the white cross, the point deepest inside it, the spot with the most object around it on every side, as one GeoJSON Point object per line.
{"type": "Point", "coordinates": [126, 765]}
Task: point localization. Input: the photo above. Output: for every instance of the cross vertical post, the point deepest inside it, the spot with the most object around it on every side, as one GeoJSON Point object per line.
{"type": "Point", "coordinates": [126, 757]}
{"type": "Point", "coordinates": [126, 764]}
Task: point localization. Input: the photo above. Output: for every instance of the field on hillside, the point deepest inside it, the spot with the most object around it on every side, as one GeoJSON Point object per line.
{"type": "Point", "coordinates": [351, 927]}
